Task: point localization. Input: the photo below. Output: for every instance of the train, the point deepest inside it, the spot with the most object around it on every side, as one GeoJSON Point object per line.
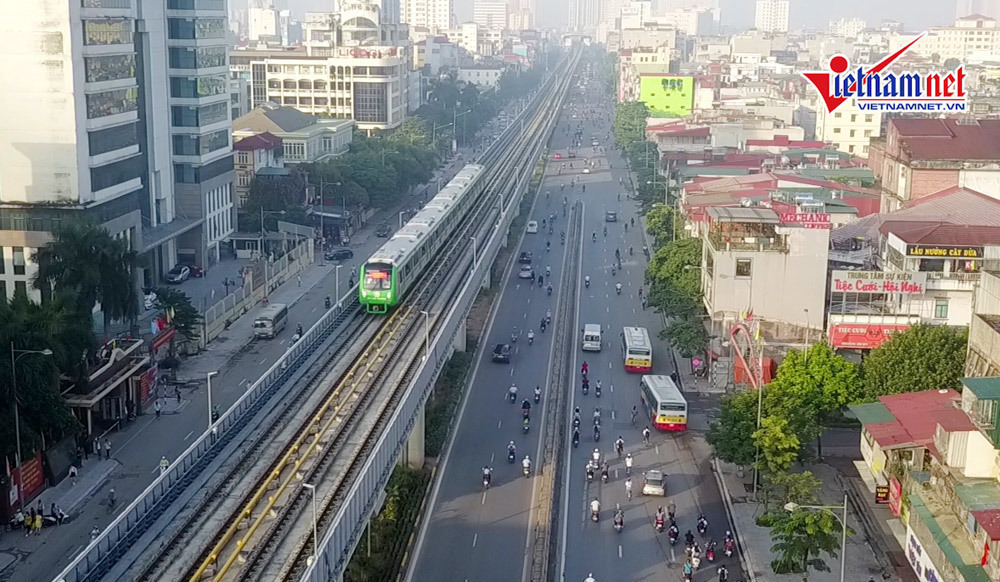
{"type": "Point", "coordinates": [387, 276]}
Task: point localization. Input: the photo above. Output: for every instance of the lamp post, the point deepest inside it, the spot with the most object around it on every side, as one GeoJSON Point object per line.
{"type": "Point", "coordinates": [337, 273]}
{"type": "Point", "coordinates": [475, 251]}
{"type": "Point", "coordinates": [427, 335]}
{"type": "Point", "coordinates": [208, 380]}
{"type": "Point", "coordinates": [792, 506]}
{"type": "Point", "coordinates": [322, 230]}
{"type": "Point", "coordinates": [14, 356]}
{"type": "Point", "coordinates": [312, 488]}
{"type": "Point", "coordinates": [806, 351]}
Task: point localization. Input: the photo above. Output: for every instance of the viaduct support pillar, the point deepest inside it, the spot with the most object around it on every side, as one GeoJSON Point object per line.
{"type": "Point", "coordinates": [413, 456]}
{"type": "Point", "coordinates": [460, 344]}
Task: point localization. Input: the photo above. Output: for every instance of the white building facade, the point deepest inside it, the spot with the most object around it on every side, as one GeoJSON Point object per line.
{"type": "Point", "coordinates": [771, 16]}
{"type": "Point", "coordinates": [490, 14]}
{"type": "Point", "coordinates": [849, 129]}
{"type": "Point", "coordinates": [434, 15]}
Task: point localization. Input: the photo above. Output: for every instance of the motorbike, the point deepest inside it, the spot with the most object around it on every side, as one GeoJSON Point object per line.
{"type": "Point", "coordinates": [672, 534]}
{"type": "Point", "coordinates": [597, 391]}
{"type": "Point", "coordinates": [486, 481]}
{"type": "Point", "coordinates": [729, 547]}
{"type": "Point", "coordinates": [512, 396]}
{"type": "Point", "coordinates": [513, 337]}
{"type": "Point", "coordinates": [326, 302]}
{"type": "Point", "coordinates": [597, 434]}
{"type": "Point", "coordinates": [526, 470]}
{"type": "Point", "coordinates": [586, 282]}
{"type": "Point", "coordinates": [590, 474]}
{"type": "Point", "coordinates": [594, 516]}
{"type": "Point", "coordinates": [550, 289]}
{"type": "Point", "coordinates": [576, 439]}
{"type": "Point", "coordinates": [586, 386]}
{"type": "Point", "coordinates": [538, 396]}
{"type": "Point", "coordinates": [604, 476]}
{"type": "Point", "coordinates": [543, 326]}
{"type": "Point", "coordinates": [702, 525]}
{"type": "Point", "coordinates": [576, 423]}
{"type": "Point", "coordinates": [618, 288]}
{"type": "Point", "coordinates": [619, 523]}
{"type": "Point", "coordinates": [695, 562]}
{"type": "Point", "coordinates": [658, 524]}
{"type": "Point", "coordinates": [510, 455]}
{"type": "Point", "coordinates": [710, 552]}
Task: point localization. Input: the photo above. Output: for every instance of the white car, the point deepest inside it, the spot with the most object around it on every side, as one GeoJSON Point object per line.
{"type": "Point", "coordinates": [526, 272]}
{"type": "Point", "coordinates": [654, 482]}
{"type": "Point", "coordinates": [586, 170]}
{"type": "Point", "coordinates": [532, 227]}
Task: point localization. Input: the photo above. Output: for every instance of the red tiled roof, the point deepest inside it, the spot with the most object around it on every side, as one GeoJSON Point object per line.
{"type": "Point", "coordinates": [260, 141]}
{"type": "Point", "coordinates": [917, 416]}
{"type": "Point", "coordinates": [954, 216]}
{"type": "Point", "coordinates": [946, 139]}
{"type": "Point", "coordinates": [989, 520]}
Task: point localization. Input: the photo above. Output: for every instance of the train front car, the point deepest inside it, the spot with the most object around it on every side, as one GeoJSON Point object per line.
{"type": "Point", "coordinates": [378, 290]}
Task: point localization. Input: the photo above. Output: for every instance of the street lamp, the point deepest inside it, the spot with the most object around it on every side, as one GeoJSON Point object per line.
{"type": "Point", "coordinates": [14, 356]}
{"type": "Point", "coordinates": [427, 335]}
{"type": "Point", "coordinates": [312, 488]}
{"type": "Point", "coordinates": [475, 251]}
{"type": "Point", "coordinates": [208, 381]}
{"type": "Point", "coordinates": [806, 352]}
{"type": "Point", "coordinates": [337, 272]}
{"type": "Point", "coordinates": [322, 206]}
{"type": "Point", "coordinates": [792, 506]}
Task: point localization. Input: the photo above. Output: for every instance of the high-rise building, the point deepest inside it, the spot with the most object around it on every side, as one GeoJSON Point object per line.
{"type": "Point", "coordinates": [121, 117]}
{"type": "Point", "coordinates": [771, 16]}
{"type": "Point", "coordinates": [989, 8]}
{"type": "Point", "coordinates": [490, 14]}
{"type": "Point", "coordinates": [263, 24]}
{"type": "Point", "coordinates": [434, 15]}
{"type": "Point", "coordinates": [848, 27]}
{"type": "Point", "coordinates": [583, 15]}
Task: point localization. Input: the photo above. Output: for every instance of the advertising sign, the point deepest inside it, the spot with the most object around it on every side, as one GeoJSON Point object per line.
{"type": "Point", "coordinates": [862, 336]}
{"type": "Point", "coordinates": [919, 560]}
{"type": "Point", "coordinates": [881, 494]}
{"type": "Point", "coordinates": [944, 252]}
{"type": "Point", "coordinates": [817, 220]}
{"type": "Point", "coordinates": [667, 95]}
{"type": "Point", "coordinates": [32, 480]}
{"type": "Point", "coordinates": [910, 283]}
{"type": "Point", "coordinates": [895, 495]}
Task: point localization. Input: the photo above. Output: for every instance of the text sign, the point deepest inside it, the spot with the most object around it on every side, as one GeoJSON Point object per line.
{"type": "Point", "coordinates": [881, 494]}
{"type": "Point", "coordinates": [862, 336]}
{"type": "Point", "coordinates": [910, 283]}
{"type": "Point", "coordinates": [944, 252]}
{"type": "Point", "coordinates": [819, 220]}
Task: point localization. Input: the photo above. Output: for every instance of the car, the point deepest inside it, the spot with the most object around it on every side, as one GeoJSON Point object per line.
{"type": "Point", "coordinates": [501, 353]}
{"type": "Point", "coordinates": [532, 227]}
{"type": "Point", "coordinates": [595, 143]}
{"type": "Point", "coordinates": [611, 216]}
{"type": "Point", "coordinates": [525, 258]}
{"type": "Point", "coordinates": [558, 156]}
{"type": "Point", "coordinates": [526, 272]}
{"type": "Point", "coordinates": [383, 231]}
{"type": "Point", "coordinates": [196, 272]}
{"type": "Point", "coordinates": [178, 274]}
{"type": "Point", "coordinates": [654, 482]}
{"type": "Point", "coordinates": [338, 254]}
{"type": "Point", "coordinates": [572, 155]}
{"type": "Point", "coordinates": [586, 170]}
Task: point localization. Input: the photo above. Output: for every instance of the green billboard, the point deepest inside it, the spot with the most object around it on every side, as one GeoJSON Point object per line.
{"type": "Point", "coordinates": [667, 95]}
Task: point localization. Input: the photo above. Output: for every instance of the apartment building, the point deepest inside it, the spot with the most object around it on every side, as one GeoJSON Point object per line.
{"type": "Point", "coordinates": [771, 16]}
{"type": "Point", "coordinates": [121, 118]}
{"type": "Point", "coordinates": [583, 15]}
{"type": "Point", "coordinates": [849, 27]}
{"type": "Point", "coordinates": [489, 14]}
{"type": "Point", "coordinates": [483, 76]}
{"type": "Point", "coordinates": [304, 138]}
{"type": "Point", "coordinates": [984, 332]}
{"type": "Point", "coordinates": [250, 155]}
{"type": "Point", "coordinates": [434, 15]}
{"type": "Point", "coordinates": [919, 157]}
{"type": "Point", "coordinates": [974, 38]}
{"type": "Point", "coordinates": [849, 129]}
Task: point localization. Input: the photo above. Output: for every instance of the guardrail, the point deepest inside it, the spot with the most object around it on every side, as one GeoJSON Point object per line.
{"type": "Point", "coordinates": [361, 500]}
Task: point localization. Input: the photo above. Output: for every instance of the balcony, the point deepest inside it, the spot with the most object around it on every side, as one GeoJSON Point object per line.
{"type": "Point", "coordinates": [728, 242]}
{"type": "Point", "coordinates": [941, 281]}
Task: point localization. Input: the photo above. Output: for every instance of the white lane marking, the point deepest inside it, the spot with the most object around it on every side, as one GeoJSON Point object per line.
{"type": "Point", "coordinates": [242, 382]}
{"type": "Point", "coordinates": [612, 389]}
{"type": "Point", "coordinates": [282, 342]}
{"type": "Point", "coordinates": [189, 435]}
{"type": "Point", "coordinates": [657, 449]}
{"type": "Point", "coordinates": [499, 424]}
{"type": "Point", "coordinates": [619, 550]}
{"type": "Point", "coordinates": [492, 456]}
{"type": "Point", "coordinates": [612, 415]}
{"type": "Point", "coordinates": [475, 539]}
{"type": "Point", "coordinates": [262, 360]}
{"type": "Point", "coordinates": [673, 556]}
{"type": "Point", "coordinates": [483, 502]}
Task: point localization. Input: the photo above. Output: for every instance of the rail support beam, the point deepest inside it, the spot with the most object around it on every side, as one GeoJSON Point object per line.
{"type": "Point", "coordinates": [413, 456]}
{"type": "Point", "coordinates": [459, 344]}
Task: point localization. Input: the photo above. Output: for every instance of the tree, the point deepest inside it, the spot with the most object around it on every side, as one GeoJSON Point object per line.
{"type": "Point", "coordinates": [950, 64]}
{"type": "Point", "coordinates": [177, 307]}
{"type": "Point", "coordinates": [660, 224]}
{"type": "Point", "coordinates": [779, 446]}
{"type": "Point", "coordinates": [802, 535]}
{"type": "Point", "coordinates": [687, 334]}
{"type": "Point", "coordinates": [86, 265]}
{"type": "Point", "coordinates": [630, 122]}
{"type": "Point", "coordinates": [791, 487]}
{"type": "Point", "coordinates": [924, 357]}
{"type": "Point", "coordinates": [731, 435]}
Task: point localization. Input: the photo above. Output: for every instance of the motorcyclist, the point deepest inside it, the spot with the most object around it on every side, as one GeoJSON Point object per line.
{"type": "Point", "coordinates": [702, 523]}
{"type": "Point", "coordinates": [619, 445]}
{"type": "Point", "coordinates": [550, 289]}
{"type": "Point", "coordinates": [723, 573]}
{"type": "Point", "coordinates": [619, 516]}
{"type": "Point", "coordinates": [548, 270]}
{"type": "Point", "coordinates": [671, 510]}
{"type": "Point", "coordinates": [605, 231]}
{"type": "Point", "coordinates": [511, 448]}
{"type": "Point", "coordinates": [548, 245]}
{"type": "Point", "coordinates": [531, 336]}
{"type": "Point", "coordinates": [590, 470]}
{"type": "Point", "coordinates": [576, 436]}
{"type": "Point", "coordinates": [593, 236]}
{"type": "Point", "coordinates": [604, 471]}
{"type": "Point", "coordinates": [526, 406]}
{"type": "Point", "coordinates": [689, 538]}
{"type": "Point", "coordinates": [590, 578]}
{"type": "Point", "coordinates": [586, 281]}
{"type": "Point", "coordinates": [595, 507]}
{"type": "Point", "coordinates": [512, 393]}
{"type": "Point", "coordinates": [584, 368]}
{"type": "Point", "coordinates": [526, 463]}
{"type": "Point", "coordinates": [596, 456]}
{"type": "Point", "coordinates": [618, 288]}
{"type": "Point", "coordinates": [538, 392]}
{"type": "Point", "coordinates": [487, 474]}
{"type": "Point", "coordinates": [597, 416]}
{"type": "Point", "coordinates": [576, 414]}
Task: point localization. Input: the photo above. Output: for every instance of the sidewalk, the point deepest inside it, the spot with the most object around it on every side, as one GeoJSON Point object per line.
{"type": "Point", "coordinates": [756, 541]}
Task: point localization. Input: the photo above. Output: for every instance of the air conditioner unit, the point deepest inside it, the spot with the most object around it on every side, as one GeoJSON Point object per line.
{"type": "Point", "coordinates": [746, 202]}
{"type": "Point", "coordinates": [799, 198]}
{"type": "Point", "coordinates": [812, 206]}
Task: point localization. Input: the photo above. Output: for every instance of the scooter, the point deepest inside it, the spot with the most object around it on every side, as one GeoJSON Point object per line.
{"type": "Point", "coordinates": [590, 475]}
{"type": "Point", "coordinates": [512, 396]}
{"type": "Point", "coordinates": [597, 391]}
{"type": "Point", "coordinates": [673, 534]}
{"type": "Point", "coordinates": [510, 456]}
{"type": "Point", "coordinates": [597, 434]}
{"type": "Point", "coordinates": [618, 288]}
{"type": "Point", "coordinates": [594, 516]}
{"type": "Point", "coordinates": [550, 289]}
{"type": "Point", "coordinates": [710, 552]}
{"type": "Point", "coordinates": [702, 525]}
{"type": "Point", "coordinates": [526, 425]}
{"type": "Point", "coordinates": [586, 386]}
{"type": "Point", "coordinates": [658, 525]}
{"type": "Point", "coordinates": [525, 470]}
{"type": "Point", "coordinates": [586, 282]}
{"type": "Point", "coordinates": [619, 523]}
{"type": "Point", "coordinates": [513, 337]}
{"type": "Point", "coordinates": [326, 302]}
{"type": "Point", "coordinates": [538, 396]}
{"type": "Point", "coordinates": [728, 548]}
{"type": "Point", "coordinates": [576, 439]}
{"type": "Point", "coordinates": [486, 481]}
{"type": "Point", "coordinates": [531, 338]}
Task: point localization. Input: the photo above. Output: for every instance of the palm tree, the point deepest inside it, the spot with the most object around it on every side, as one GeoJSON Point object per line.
{"type": "Point", "coordinates": [87, 264]}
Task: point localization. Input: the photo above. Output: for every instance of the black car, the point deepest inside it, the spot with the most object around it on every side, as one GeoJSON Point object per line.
{"type": "Point", "coordinates": [524, 258]}
{"type": "Point", "coordinates": [383, 231]}
{"type": "Point", "coordinates": [338, 254]}
{"type": "Point", "coordinates": [501, 353]}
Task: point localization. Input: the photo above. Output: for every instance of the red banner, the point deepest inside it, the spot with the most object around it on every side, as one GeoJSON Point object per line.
{"type": "Point", "coordinates": [33, 480]}
{"type": "Point", "coordinates": [895, 496]}
{"type": "Point", "coordinates": [862, 336]}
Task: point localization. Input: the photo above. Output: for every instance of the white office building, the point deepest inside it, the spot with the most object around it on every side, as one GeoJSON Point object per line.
{"type": "Point", "coordinates": [848, 27]}
{"type": "Point", "coordinates": [263, 24]}
{"type": "Point", "coordinates": [121, 117]}
{"type": "Point", "coordinates": [490, 14]}
{"type": "Point", "coordinates": [583, 15]}
{"type": "Point", "coordinates": [434, 15]}
{"type": "Point", "coordinates": [771, 16]}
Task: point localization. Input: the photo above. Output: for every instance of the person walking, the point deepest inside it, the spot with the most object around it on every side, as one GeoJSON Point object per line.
{"type": "Point", "coordinates": [38, 523]}
{"type": "Point", "coordinates": [157, 408]}
{"type": "Point", "coordinates": [628, 487]}
{"type": "Point", "coordinates": [107, 448]}
{"type": "Point", "coordinates": [164, 464]}
{"type": "Point", "coordinates": [29, 522]}
{"type": "Point", "coordinates": [299, 279]}
{"type": "Point", "coordinates": [645, 436]}
{"type": "Point", "coordinates": [72, 473]}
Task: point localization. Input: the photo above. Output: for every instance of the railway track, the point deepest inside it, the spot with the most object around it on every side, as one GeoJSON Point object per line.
{"type": "Point", "coordinates": [328, 445]}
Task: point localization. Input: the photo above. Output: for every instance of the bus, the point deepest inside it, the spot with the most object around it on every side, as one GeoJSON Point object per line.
{"type": "Point", "coordinates": [637, 350]}
{"type": "Point", "coordinates": [664, 403]}
{"type": "Point", "coordinates": [271, 320]}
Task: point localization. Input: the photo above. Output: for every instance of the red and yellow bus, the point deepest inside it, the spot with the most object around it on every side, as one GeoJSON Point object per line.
{"type": "Point", "coordinates": [665, 405]}
{"type": "Point", "coordinates": [637, 350]}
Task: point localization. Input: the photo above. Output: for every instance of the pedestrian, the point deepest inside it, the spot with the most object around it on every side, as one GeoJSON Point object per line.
{"type": "Point", "coordinates": [107, 448]}
{"type": "Point", "coordinates": [72, 473]}
{"type": "Point", "coordinates": [628, 487]}
{"type": "Point", "coordinates": [671, 509]}
{"type": "Point", "coordinates": [635, 413]}
{"type": "Point", "coordinates": [157, 408]}
{"type": "Point", "coordinates": [645, 436]}
{"type": "Point", "coordinates": [298, 278]}
{"type": "Point", "coordinates": [39, 507]}
{"type": "Point", "coordinates": [38, 523]}
{"type": "Point", "coordinates": [177, 393]}
{"type": "Point", "coordinates": [96, 443]}
{"type": "Point", "coordinates": [164, 464]}
{"type": "Point", "coordinates": [29, 522]}
{"type": "Point", "coordinates": [84, 447]}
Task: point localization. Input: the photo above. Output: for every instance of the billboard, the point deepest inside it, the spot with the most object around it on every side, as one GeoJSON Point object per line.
{"type": "Point", "coordinates": [944, 252]}
{"type": "Point", "coordinates": [862, 336]}
{"type": "Point", "coordinates": [909, 283]}
{"type": "Point", "coordinates": [667, 95]}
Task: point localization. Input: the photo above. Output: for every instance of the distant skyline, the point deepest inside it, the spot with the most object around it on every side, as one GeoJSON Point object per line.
{"type": "Point", "coordinates": [916, 15]}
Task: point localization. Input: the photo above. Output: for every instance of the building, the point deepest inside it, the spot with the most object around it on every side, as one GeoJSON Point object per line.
{"type": "Point", "coordinates": [490, 14]}
{"type": "Point", "coordinates": [848, 129]}
{"type": "Point", "coordinates": [264, 25]}
{"type": "Point", "coordinates": [771, 16]}
{"type": "Point", "coordinates": [483, 76]}
{"type": "Point", "coordinates": [989, 8]}
{"type": "Point", "coordinates": [252, 153]}
{"type": "Point", "coordinates": [932, 458]}
{"type": "Point", "coordinates": [849, 27]}
{"type": "Point", "coordinates": [919, 157]}
{"type": "Point", "coordinates": [434, 15]}
{"type": "Point", "coordinates": [667, 95]}
{"type": "Point", "coordinates": [974, 38]}
{"type": "Point", "coordinates": [689, 21]}
{"type": "Point", "coordinates": [438, 54]}
{"type": "Point", "coordinates": [984, 331]}
{"type": "Point", "coordinates": [649, 36]}
{"type": "Point", "coordinates": [583, 15]}
{"type": "Point", "coordinates": [125, 129]}
{"type": "Point", "coordinates": [304, 138]}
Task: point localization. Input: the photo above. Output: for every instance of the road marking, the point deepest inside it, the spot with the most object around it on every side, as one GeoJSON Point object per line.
{"type": "Point", "coordinates": [483, 502]}
{"type": "Point", "coordinates": [612, 415]}
{"type": "Point", "coordinates": [262, 360]}
{"type": "Point", "coordinates": [475, 538]}
{"type": "Point", "coordinates": [313, 309]}
{"type": "Point", "coordinates": [673, 556]}
{"type": "Point", "coordinates": [612, 391]}
{"type": "Point", "coordinates": [242, 382]}
{"type": "Point", "coordinates": [189, 435]}
{"type": "Point", "coordinates": [657, 449]}
{"type": "Point", "coordinates": [499, 424]}
{"type": "Point", "coordinates": [491, 457]}
{"type": "Point", "coordinates": [282, 342]}
{"type": "Point", "coordinates": [619, 550]}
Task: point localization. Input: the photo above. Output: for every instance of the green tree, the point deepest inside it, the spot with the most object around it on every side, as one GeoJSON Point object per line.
{"type": "Point", "coordinates": [801, 536]}
{"type": "Point", "coordinates": [779, 446]}
{"type": "Point", "coordinates": [924, 357]}
{"type": "Point", "coordinates": [731, 436]}
{"type": "Point", "coordinates": [687, 334]}
{"type": "Point", "coordinates": [177, 307]}
{"type": "Point", "coordinates": [660, 224]}
{"type": "Point", "coordinates": [630, 122]}
{"type": "Point", "coordinates": [86, 265]}
{"type": "Point", "coordinates": [791, 487]}
{"type": "Point", "coordinates": [950, 64]}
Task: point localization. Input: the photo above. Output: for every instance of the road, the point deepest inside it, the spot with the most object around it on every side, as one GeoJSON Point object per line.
{"type": "Point", "coordinates": [138, 447]}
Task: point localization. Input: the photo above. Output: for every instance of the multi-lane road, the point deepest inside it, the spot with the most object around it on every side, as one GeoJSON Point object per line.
{"type": "Point", "coordinates": [472, 534]}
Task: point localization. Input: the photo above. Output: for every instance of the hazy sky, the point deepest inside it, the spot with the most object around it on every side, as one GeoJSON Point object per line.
{"type": "Point", "coordinates": [916, 15]}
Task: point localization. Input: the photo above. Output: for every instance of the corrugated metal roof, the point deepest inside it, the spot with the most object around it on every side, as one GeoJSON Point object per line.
{"type": "Point", "coordinates": [872, 413]}
{"type": "Point", "coordinates": [915, 417]}
{"type": "Point", "coordinates": [984, 388]}
{"type": "Point", "coordinates": [946, 139]}
{"type": "Point", "coordinates": [742, 214]}
{"type": "Point", "coordinates": [989, 521]}
{"type": "Point", "coordinates": [979, 496]}
{"type": "Point", "coordinates": [954, 216]}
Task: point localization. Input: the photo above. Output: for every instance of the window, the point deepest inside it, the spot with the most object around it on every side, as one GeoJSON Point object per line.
{"type": "Point", "coordinates": [191, 145]}
{"type": "Point", "coordinates": [854, 118]}
{"type": "Point", "coordinates": [853, 131]}
{"type": "Point", "coordinates": [189, 58]}
{"type": "Point", "coordinates": [112, 102]}
{"type": "Point", "coordinates": [940, 309]}
{"type": "Point", "coordinates": [20, 287]}
{"type": "Point", "coordinates": [110, 139]}
{"type": "Point", "coordinates": [836, 115]}
{"type": "Point", "coordinates": [836, 130]}
{"type": "Point", "coordinates": [185, 87]}
{"type": "Point", "coordinates": [190, 29]}
{"type": "Point", "coordinates": [107, 31]}
{"type": "Point", "coordinates": [744, 267]}
{"type": "Point", "coordinates": [868, 133]}
{"type": "Point", "coordinates": [868, 118]}
{"type": "Point", "coordinates": [109, 68]}
{"type": "Point", "coordinates": [850, 149]}
{"type": "Point", "coordinates": [116, 173]}
{"type": "Point", "coordinates": [18, 261]}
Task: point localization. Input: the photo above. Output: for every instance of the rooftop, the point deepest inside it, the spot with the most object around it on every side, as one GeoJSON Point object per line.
{"type": "Point", "coordinates": [911, 419]}
{"type": "Point", "coordinates": [954, 216]}
{"type": "Point", "coordinates": [275, 120]}
{"type": "Point", "coordinates": [260, 141]}
{"type": "Point", "coordinates": [983, 388]}
{"type": "Point", "coordinates": [741, 214]}
{"type": "Point", "coordinates": [948, 139]}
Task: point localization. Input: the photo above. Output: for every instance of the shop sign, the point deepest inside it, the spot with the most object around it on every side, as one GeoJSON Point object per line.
{"type": "Point", "coordinates": [907, 283]}
{"type": "Point", "coordinates": [881, 494]}
{"type": "Point", "coordinates": [817, 220]}
{"type": "Point", "coordinates": [862, 336]}
{"type": "Point", "coordinates": [32, 481]}
{"type": "Point", "coordinates": [895, 496]}
{"type": "Point", "coordinates": [918, 558]}
{"type": "Point", "coordinates": [944, 252]}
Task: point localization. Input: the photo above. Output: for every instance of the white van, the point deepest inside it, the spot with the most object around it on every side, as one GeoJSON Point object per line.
{"type": "Point", "coordinates": [532, 227]}
{"type": "Point", "coordinates": [591, 337]}
{"type": "Point", "coordinates": [271, 320]}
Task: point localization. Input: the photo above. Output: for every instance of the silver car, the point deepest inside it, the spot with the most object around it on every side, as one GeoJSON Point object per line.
{"type": "Point", "coordinates": [654, 482]}
{"type": "Point", "coordinates": [526, 272]}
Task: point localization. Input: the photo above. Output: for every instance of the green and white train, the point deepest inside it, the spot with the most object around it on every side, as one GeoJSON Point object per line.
{"type": "Point", "coordinates": [387, 276]}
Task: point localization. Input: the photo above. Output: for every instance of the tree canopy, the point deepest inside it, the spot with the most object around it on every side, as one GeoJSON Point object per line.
{"type": "Point", "coordinates": [728, 435]}
{"type": "Point", "coordinates": [924, 357]}
{"type": "Point", "coordinates": [801, 536]}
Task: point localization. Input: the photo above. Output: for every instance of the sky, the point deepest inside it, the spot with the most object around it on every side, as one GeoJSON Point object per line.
{"type": "Point", "coordinates": [916, 15]}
